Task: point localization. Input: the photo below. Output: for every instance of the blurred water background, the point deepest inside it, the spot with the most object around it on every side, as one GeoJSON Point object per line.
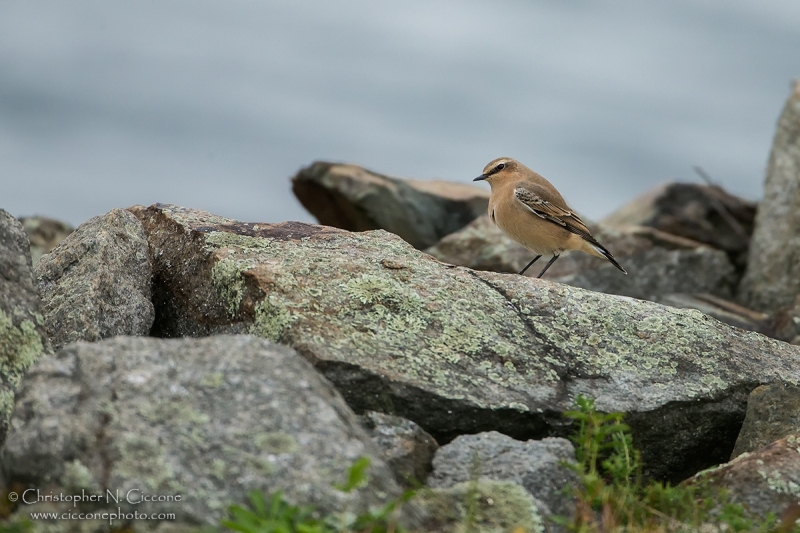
{"type": "Point", "coordinates": [216, 104]}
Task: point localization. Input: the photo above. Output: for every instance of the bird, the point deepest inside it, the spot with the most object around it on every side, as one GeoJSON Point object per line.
{"type": "Point", "coordinates": [531, 211]}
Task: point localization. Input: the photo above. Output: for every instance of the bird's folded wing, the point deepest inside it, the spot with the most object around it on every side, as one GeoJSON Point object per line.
{"type": "Point", "coordinates": [527, 196]}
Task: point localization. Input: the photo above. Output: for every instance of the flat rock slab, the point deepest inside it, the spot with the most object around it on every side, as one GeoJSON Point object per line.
{"type": "Point", "coordinates": [96, 283]}
{"type": "Point", "coordinates": [22, 334]}
{"type": "Point", "coordinates": [420, 211]}
{"type": "Point", "coordinates": [459, 351]}
{"type": "Point", "coordinates": [204, 419]}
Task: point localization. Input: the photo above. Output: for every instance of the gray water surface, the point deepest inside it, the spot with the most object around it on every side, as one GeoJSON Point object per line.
{"type": "Point", "coordinates": [215, 105]}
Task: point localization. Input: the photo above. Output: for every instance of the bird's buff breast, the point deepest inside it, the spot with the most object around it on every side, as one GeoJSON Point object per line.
{"type": "Point", "coordinates": [527, 229]}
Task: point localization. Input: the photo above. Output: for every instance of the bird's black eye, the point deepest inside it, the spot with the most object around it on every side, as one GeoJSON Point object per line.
{"type": "Point", "coordinates": [499, 167]}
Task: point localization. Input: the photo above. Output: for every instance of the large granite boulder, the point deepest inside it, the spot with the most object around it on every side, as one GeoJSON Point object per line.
{"type": "Point", "coordinates": [459, 351]}
{"type": "Point", "coordinates": [22, 335]}
{"type": "Point", "coordinates": [204, 420]}
{"type": "Point", "coordinates": [44, 234]}
{"type": "Point", "coordinates": [420, 211]}
{"type": "Point", "coordinates": [772, 279]}
{"type": "Point", "coordinates": [96, 283]}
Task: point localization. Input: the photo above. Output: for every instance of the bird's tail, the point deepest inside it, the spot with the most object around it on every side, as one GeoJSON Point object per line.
{"type": "Point", "coordinates": [600, 249]}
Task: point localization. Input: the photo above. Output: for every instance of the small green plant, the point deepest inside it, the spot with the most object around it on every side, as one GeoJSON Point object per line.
{"type": "Point", "coordinates": [611, 495]}
{"type": "Point", "coordinates": [276, 515]}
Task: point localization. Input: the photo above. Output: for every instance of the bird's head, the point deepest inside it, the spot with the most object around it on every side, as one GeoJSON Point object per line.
{"type": "Point", "coordinates": [498, 169]}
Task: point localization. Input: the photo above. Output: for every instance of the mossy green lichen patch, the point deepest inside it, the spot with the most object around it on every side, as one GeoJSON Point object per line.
{"type": "Point", "coordinates": [20, 346]}
{"type": "Point", "coordinates": [487, 506]}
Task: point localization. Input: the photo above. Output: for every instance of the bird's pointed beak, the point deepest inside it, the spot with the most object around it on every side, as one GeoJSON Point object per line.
{"type": "Point", "coordinates": [481, 177]}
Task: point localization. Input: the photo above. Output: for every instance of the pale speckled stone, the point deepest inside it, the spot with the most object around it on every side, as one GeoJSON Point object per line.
{"type": "Point", "coordinates": [208, 419]}
{"type": "Point", "coordinates": [535, 465]}
{"type": "Point", "coordinates": [96, 283]}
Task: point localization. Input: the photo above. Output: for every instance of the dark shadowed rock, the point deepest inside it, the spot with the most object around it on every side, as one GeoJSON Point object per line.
{"type": "Point", "coordinates": [207, 419]}
{"type": "Point", "coordinates": [702, 213]}
{"type": "Point", "coordinates": [535, 465]}
{"type": "Point", "coordinates": [772, 279]}
{"type": "Point", "coordinates": [22, 336]}
{"type": "Point", "coordinates": [420, 211]}
{"type": "Point", "coordinates": [764, 481]}
{"type": "Point", "coordinates": [407, 448]}
{"type": "Point", "coordinates": [459, 351]}
{"type": "Point", "coordinates": [96, 283]}
{"type": "Point", "coordinates": [658, 263]}
{"type": "Point", "coordinates": [786, 322]}
{"type": "Point", "coordinates": [44, 234]}
{"type": "Point", "coordinates": [773, 412]}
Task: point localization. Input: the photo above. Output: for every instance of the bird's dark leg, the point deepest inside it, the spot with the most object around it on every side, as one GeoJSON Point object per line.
{"type": "Point", "coordinates": [521, 272]}
{"type": "Point", "coordinates": [553, 260]}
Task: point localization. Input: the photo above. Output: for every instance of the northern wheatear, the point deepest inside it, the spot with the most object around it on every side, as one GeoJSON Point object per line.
{"type": "Point", "coordinates": [532, 212]}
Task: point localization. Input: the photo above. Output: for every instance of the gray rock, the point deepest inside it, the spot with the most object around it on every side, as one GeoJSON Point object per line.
{"type": "Point", "coordinates": [535, 465]}
{"type": "Point", "coordinates": [483, 506]}
{"type": "Point", "coordinates": [420, 211]}
{"type": "Point", "coordinates": [657, 271]}
{"type": "Point", "coordinates": [702, 213]}
{"type": "Point", "coordinates": [723, 310]}
{"type": "Point", "coordinates": [764, 481]}
{"type": "Point", "coordinates": [772, 279]}
{"type": "Point", "coordinates": [773, 412]}
{"type": "Point", "coordinates": [44, 234]}
{"type": "Point", "coordinates": [658, 263]}
{"type": "Point", "coordinates": [407, 448]}
{"type": "Point", "coordinates": [459, 351]}
{"type": "Point", "coordinates": [207, 419]}
{"type": "Point", "coordinates": [96, 283]}
{"type": "Point", "coordinates": [22, 336]}
{"type": "Point", "coordinates": [481, 245]}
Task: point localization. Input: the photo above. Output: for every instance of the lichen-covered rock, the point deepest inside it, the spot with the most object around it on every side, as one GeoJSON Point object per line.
{"type": "Point", "coordinates": [535, 465]}
{"type": "Point", "coordinates": [96, 283]}
{"type": "Point", "coordinates": [658, 263]}
{"type": "Point", "coordinates": [22, 335]}
{"type": "Point", "coordinates": [204, 419]}
{"type": "Point", "coordinates": [487, 506]}
{"type": "Point", "coordinates": [702, 213]}
{"type": "Point", "coordinates": [764, 481]}
{"type": "Point", "coordinates": [459, 351]}
{"type": "Point", "coordinates": [773, 412]}
{"type": "Point", "coordinates": [420, 211]}
{"type": "Point", "coordinates": [44, 234]}
{"type": "Point", "coordinates": [772, 279]}
{"type": "Point", "coordinates": [407, 448]}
